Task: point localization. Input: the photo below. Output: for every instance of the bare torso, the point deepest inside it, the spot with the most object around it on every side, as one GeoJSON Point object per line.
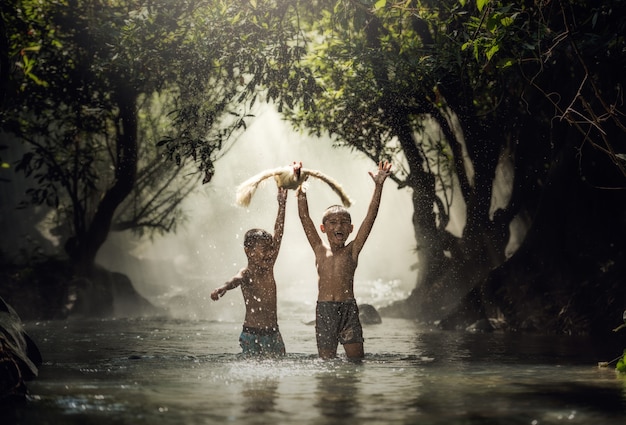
{"type": "Point", "coordinates": [335, 268]}
{"type": "Point", "coordinates": [259, 294]}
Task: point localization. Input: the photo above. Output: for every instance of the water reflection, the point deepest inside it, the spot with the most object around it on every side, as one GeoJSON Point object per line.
{"type": "Point", "coordinates": [337, 394]}
{"type": "Point", "coordinates": [126, 373]}
{"type": "Point", "coordinates": [260, 395]}
{"type": "Point", "coordinates": [517, 378]}
{"type": "Point", "coordinates": [509, 348]}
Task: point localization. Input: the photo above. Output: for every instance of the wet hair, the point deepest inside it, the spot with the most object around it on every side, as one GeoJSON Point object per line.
{"type": "Point", "coordinates": [254, 236]}
{"type": "Point", "coordinates": [335, 209]}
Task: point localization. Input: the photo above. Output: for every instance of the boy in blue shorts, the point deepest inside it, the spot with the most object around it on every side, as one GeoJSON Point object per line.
{"type": "Point", "coordinates": [260, 334]}
{"type": "Point", "coordinates": [337, 313]}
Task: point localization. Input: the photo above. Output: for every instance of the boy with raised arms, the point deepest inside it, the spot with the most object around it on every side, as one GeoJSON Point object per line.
{"type": "Point", "coordinates": [337, 313]}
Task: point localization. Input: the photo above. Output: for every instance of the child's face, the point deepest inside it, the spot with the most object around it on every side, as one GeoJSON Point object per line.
{"type": "Point", "coordinates": [337, 228]}
{"type": "Point", "coordinates": [260, 254]}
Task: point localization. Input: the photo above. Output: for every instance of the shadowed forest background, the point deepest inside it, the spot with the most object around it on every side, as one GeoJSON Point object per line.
{"type": "Point", "coordinates": [504, 120]}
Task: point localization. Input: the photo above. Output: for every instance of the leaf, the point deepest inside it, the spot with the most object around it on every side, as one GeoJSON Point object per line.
{"type": "Point", "coordinates": [506, 62]}
{"type": "Point", "coordinates": [480, 4]}
{"type": "Point", "coordinates": [34, 48]}
{"type": "Point", "coordinates": [380, 4]}
{"type": "Point", "coordinates": [37, 80]}
{"type": "Point", "coordinates": [506, 21]}
{"type": "Point", "coordinates": [494, 49]}
{"type": "Point", "coordinates": [621, 364]}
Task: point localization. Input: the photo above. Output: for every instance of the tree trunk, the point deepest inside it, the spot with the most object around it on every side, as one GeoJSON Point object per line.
{"type": "Point", "coordinates": [567, 276]}
{"type": "Point", "coordinates": [83, 248]}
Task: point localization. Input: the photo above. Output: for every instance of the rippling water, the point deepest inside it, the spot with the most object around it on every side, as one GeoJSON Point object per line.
{"type": "Point", "coordinates": [157, 371]}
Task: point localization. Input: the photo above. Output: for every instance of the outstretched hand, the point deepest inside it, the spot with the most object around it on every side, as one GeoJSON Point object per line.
{"type": "Point", "coordinates": [384, 171]}
{"type": "Point", "coordinates": [217, 293]}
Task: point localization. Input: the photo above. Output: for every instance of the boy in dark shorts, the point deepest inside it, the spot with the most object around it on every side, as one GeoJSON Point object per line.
{"type": "Point", "coordinates": [337, 313]}
{"type": "Point", "coordinates": [260, 334]}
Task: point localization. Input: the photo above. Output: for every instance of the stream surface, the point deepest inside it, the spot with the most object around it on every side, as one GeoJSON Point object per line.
{"type": "Point", "coordinates": [165, 371]}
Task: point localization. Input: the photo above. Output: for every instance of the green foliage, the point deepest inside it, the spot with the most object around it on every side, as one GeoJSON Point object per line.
{"type": "Point", "coordinates": [442, 88]}
{"type": "Point", "coordinates": [235, 50]}
{"type": "Point", "coordinates": [356, 76]}
{"type": "Point", "coordinates": [621, 364]}
{"type": "Point", "coordinates": [81, 64]}
{"type": "Point", "coordinates": [566, 51]}
{"type": "Point", "coordinates": [106, 91]}
{"type": "Point", "coordinates": [370, 62]}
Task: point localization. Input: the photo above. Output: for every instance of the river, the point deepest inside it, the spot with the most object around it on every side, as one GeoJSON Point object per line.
{"type": "Point", "coordinates": [166, 371]}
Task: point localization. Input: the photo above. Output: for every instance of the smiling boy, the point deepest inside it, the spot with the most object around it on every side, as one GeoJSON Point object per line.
{"type": "Point", "coordinates": [337, 313]}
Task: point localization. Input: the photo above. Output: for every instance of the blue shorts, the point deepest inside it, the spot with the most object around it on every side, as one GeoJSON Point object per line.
{"type": "Point", "coordinates": [337, 322]}
{"type": "Point", "coordinates": [261, 342]}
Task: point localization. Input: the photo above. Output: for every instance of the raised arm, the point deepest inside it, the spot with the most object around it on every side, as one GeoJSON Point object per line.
{"type": "Point", "coordinates": [384, 170]}
{"type": "Point", "coordinates": [279, 226]}
{"type": "Point", "coordinates": [309, 228]}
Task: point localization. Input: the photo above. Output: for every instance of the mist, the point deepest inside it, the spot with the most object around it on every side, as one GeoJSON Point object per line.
{"type": "Point", "coordinates": [178, 271]}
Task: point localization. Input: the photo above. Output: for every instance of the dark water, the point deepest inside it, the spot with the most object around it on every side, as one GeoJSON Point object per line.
{"type": "Point", "coordinates": [157, 371]}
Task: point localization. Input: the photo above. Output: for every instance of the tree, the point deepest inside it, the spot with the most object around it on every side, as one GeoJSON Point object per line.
{"type": "Point", "coordinates": [457, 94]}
{"type": "Point", "coordinates": [491, 82]}
{"type": "Point", "coordinates": [97, 85]}
{"type": "Point", "coordinates": [115, 100]}
{"type": "Point", "coordinates": [562, 57]}
{"type": "Point", "coordinates": [391, 83]}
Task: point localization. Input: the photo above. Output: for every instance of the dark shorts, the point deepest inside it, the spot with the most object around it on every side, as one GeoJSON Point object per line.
{"type": "Point", "coordinates": [337, 322]}
{"type": "Point", "coordinates": [264, 342]}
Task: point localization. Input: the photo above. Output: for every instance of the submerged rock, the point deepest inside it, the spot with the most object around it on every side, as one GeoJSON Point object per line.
{"type": "Point", "coordinates": [369, 315]}
{"type": "Point", "coordinates": [19, 356]}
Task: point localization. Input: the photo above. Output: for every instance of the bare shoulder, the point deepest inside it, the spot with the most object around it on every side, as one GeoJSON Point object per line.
{"type": "Point", "coordinates": [244, 276]}
{"type": "Point", "coordinates": [321, 249]}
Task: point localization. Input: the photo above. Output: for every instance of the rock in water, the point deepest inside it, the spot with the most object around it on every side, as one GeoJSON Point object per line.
{"type": "Point", "coordinates": [368, 315]}
{"type": "Point", "coordinates": [19, 356]}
